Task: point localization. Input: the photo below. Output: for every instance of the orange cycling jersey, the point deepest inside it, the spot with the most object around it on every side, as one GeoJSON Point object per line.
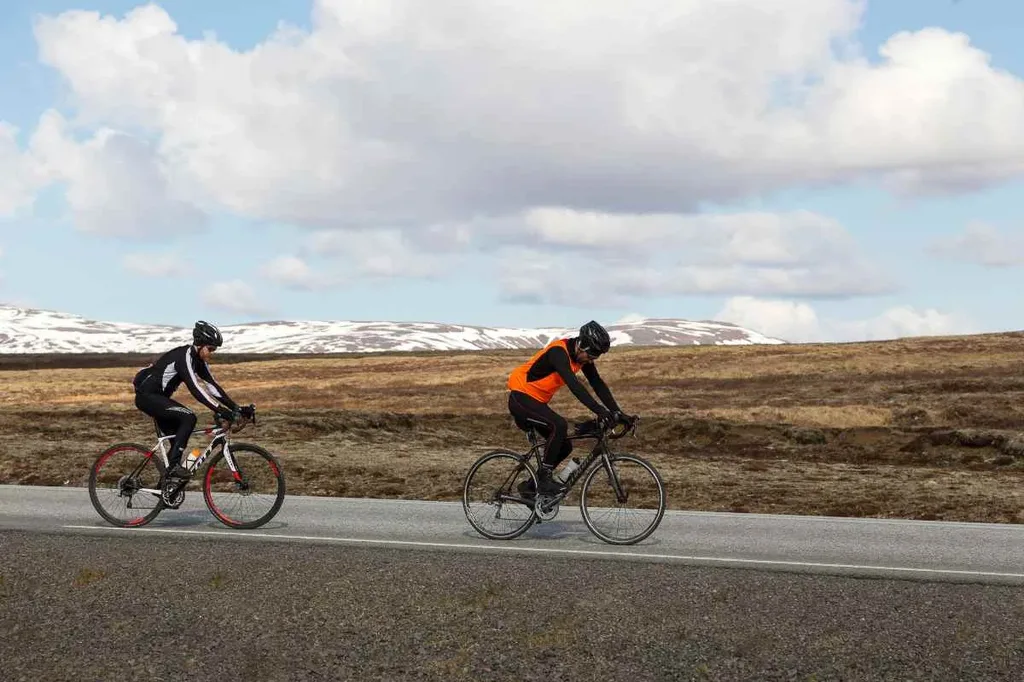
{"type": "Point", "coordinates": [543, 388]}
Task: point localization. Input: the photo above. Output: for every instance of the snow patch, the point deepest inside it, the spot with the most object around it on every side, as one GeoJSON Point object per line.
{"type": "Point", "coordinates": [25, 330]}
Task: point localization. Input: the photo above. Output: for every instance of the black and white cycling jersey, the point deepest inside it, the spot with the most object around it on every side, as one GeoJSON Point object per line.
{"type": "Point", "coordinates": [183, 364]}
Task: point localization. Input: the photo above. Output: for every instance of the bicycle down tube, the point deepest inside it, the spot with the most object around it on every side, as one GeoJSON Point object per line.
{"type": "Point", "coordinates": [218, 435]}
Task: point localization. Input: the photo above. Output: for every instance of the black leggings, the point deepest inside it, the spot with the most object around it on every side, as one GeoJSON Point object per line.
{"type": "Point", "coordinates": [533, 414]}
{"type": "Point", "coordinates": [171, 418]}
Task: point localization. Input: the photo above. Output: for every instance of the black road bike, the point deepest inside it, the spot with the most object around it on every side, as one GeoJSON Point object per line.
{"type": "Point", "coordinates": [622, 498]}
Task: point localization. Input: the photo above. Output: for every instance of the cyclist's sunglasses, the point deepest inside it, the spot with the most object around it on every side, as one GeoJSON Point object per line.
{"type": "Point", "coordinates": [592, 353]}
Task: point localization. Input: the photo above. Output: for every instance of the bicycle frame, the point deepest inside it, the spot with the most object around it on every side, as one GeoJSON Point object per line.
{"type": "Point", "coordinates": [600, 450]}
{"type": "Point", "coordinates": [219, 436]}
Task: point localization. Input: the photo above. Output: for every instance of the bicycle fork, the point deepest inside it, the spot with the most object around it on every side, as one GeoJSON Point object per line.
{"type": "Point", "coordinates": [621, 495]}
{"type": "Point", "coordinates": [233, 465]}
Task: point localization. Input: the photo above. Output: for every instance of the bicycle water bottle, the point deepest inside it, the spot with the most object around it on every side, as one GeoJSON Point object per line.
{"type": "Point", "coordinates": [570, 466]}
{"type": "Point", "coordinates": [190, 461]}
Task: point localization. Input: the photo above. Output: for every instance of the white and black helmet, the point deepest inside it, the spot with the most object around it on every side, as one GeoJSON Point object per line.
{"type": "Point", "coordinates": [594, 339]}
{"type": "Point", "coordinates": [205, 334]}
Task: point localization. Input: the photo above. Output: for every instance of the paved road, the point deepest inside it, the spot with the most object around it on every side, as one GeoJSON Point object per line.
{"type": "Point", "coordinates": [963, 552]}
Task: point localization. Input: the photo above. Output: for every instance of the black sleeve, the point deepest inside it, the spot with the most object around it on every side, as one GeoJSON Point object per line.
{"type": "Point", "coordinates": [203, 370]}
{"type": "Point", "coordinates": [187, 363]}
{"type": "Point", "coordinates": [600, 388]}
{"type": "Point", "coordinates": [560, 361]}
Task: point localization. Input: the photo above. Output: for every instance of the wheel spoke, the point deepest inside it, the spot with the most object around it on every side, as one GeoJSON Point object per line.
{"type": "Point", "coordinates": [116, 482]}
{"type": "Point", "coordinates": [249, 499]}
{"type": "Point", "coordinates": [491, 498]}
{"type": "Point", "coordinates": [625, 503]}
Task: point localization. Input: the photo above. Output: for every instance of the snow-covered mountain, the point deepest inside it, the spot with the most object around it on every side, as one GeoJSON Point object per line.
{"type": "Point", "coordinates": [42, 331]}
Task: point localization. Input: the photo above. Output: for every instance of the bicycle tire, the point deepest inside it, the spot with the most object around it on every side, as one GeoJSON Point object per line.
{"type": "Point", "coordinates": [519, 464]}
{"type": "Point", "coordinates": [94, 497]}
{"type": "Point", "coordinates": [585, 509]}
{"type": "Point", "coordinates": [224, 517]}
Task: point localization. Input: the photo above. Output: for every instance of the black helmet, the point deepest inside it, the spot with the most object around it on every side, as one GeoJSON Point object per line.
{"type": "Point", "coordinates": [594, 339]}
{"type": "Point", "coordinates": [205, 334]}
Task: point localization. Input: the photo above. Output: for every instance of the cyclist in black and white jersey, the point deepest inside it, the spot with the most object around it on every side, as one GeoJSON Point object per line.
{"type": "Point", "coordinates": [155, 384]}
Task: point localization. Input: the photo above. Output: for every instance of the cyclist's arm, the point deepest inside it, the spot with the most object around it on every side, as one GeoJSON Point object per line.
{"type": "Point", "coordinates": [187, 370]}
{"type": "Point", "coordinates": [203, 370]}
{"type": "Point", "coordinates": [600, 388]}
{"type": "Point", "coordinates": [560, 361]}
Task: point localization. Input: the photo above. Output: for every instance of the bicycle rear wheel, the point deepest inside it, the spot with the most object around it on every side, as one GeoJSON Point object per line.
{"type": "Point", "coordinates": [491, 498]}
{"type": "Point", "coordinates": [622, 500]}
{"type": "Point", "coordinates": [249, 498]}
{"type": "Point", "coordinates": [124, 485]}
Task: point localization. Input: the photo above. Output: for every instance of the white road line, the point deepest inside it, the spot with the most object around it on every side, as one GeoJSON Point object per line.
{"type": "Point", "coordinates": [1014, 528]}
{"type": "Point", "coordinates": [552, 550]}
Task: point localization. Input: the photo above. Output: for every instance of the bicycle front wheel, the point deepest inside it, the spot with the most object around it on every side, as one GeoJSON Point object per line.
{"type": "Point", "coordinates": [622, 500]}
{"type": "Point", "coordinates": [246, 498]}
{"type": "Point", "coordinates": [491, 497]}
{"type": "Point", "coordinates": [124, 485]}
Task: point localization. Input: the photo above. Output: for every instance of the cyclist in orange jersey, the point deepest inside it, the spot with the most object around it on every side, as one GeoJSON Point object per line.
{"type": "Point", "coordinates": [533, 384]}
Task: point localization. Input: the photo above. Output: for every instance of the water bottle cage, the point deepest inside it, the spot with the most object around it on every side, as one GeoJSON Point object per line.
{"type": "Point", "coordinates": [191, 459]}
{"type": "Point", "coordinates": [567, 471]}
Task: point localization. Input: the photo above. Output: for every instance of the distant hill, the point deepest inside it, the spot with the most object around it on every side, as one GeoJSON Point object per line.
{"type": "Point", "coordinates": [42, 331]}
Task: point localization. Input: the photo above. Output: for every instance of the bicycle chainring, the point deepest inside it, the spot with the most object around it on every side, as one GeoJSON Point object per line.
{"type": "Point", "coordinates": [546, 508]}
{"type": "Point", "coordinates": [173, 495]}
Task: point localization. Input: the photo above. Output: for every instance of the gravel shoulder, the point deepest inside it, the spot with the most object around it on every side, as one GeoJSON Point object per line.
{"type": "Point", "coordinates": [99, 608]}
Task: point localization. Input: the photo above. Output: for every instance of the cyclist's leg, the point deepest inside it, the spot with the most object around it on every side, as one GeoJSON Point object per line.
{"type": "Point", "coordinates": [551, 425]}
{"type": "Point", "coordinates": [171, 417]}
{"type": "Point", "coordinates": [522, 418]}
{"type": "Point", "coordinates": [522, 421]}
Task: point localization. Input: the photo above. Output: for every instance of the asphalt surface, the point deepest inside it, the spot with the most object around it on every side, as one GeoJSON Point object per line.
{"type": "Point", "coordinates": [968, 552]}
{"type": "Point", "coordinates": [359, 589]}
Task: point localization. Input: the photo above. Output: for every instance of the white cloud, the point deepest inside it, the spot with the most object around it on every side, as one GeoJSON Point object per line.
{"type": "Point", "coordinates": [934, 115]}
{"type": "Point", "coordinates": [534, 277]}
{"type": "Point", "coordinates": [402, 113]}
{"type": "Point", "coordinates": [756, 238]}
{"type": "Point", "coordinates": [630, 318]}
{"type": "Point", "coordinates": [789, 320]}
{"type": "Point", "coordinates": [576, 139]}
{"type": "Point", "coordinates": [820, 281]}
{"type": "Point", "coordinates": [982, 244]}
{"type": "Point", "coordinates": [19, 177]}
{"type": "Point", "coordinates": [907, 321]}
{"type": "Point", "coordinates": [799, 322]}
{"type": "Point", "coordinates": [154, 264]}
{"type": "Point", "coordinates": [235, 296]}
{"type": "Point", "coordinates": [295, 273]}
{"type": "Point", "coordinates": [588, 257]}
{"type": "Point", "coordinates": [390, 253]}
{"type": "Point", "coordinates": [116, 183]}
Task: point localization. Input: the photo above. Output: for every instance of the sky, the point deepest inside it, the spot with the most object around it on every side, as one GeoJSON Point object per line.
{"type": "Point", "coordinates": [818, 170]}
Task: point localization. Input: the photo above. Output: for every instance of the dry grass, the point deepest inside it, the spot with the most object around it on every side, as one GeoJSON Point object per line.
{"type": "Point", "coordinates": [872, 429]}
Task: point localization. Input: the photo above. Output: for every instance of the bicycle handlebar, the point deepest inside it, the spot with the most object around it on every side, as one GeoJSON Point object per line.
{"type": "Point", "coordinates": [629, 430]}
{"type": "Point", "coordinates": [235, 425]}
{"type": "Point", "coordinates": [590, 429]}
